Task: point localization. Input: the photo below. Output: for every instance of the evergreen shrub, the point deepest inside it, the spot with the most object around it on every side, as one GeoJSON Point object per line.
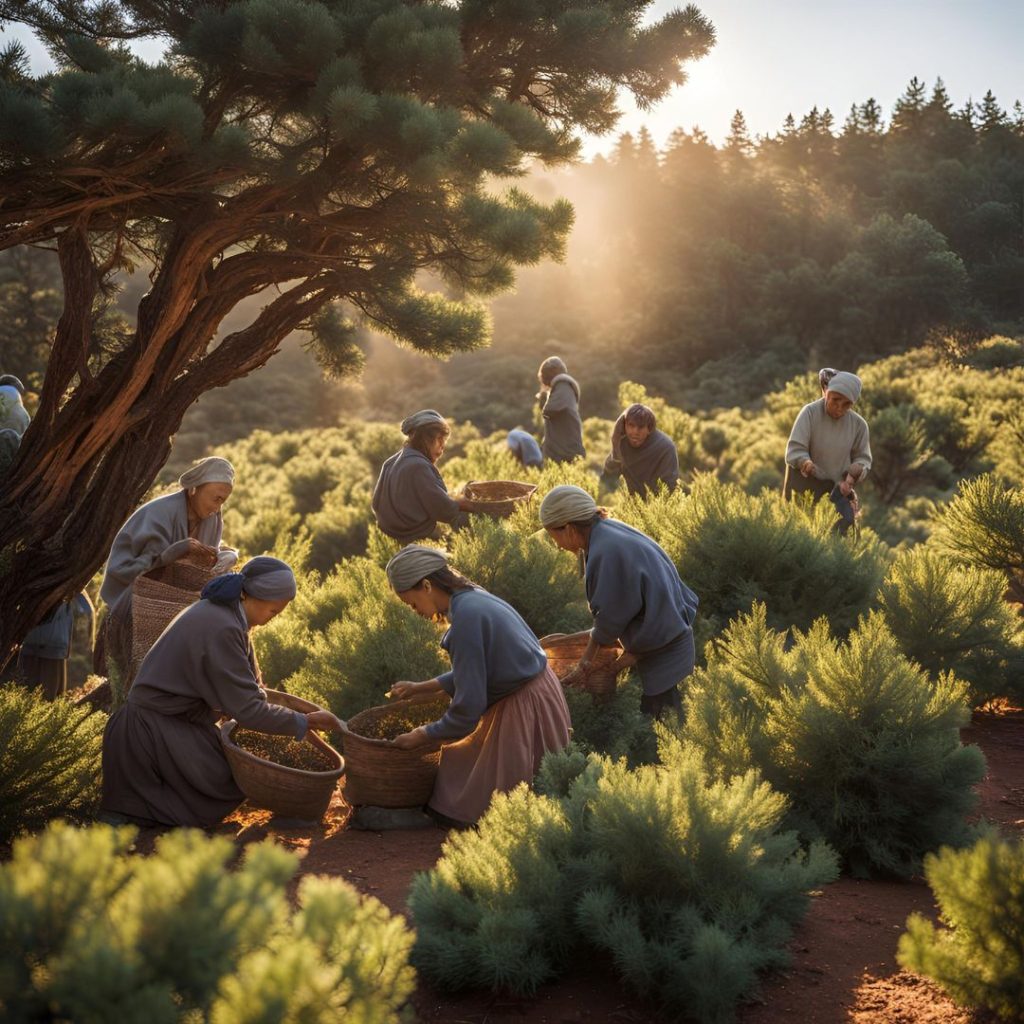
{"type": "Point", "coordinates": [529, 572]}
{"type": "Point", "coordinates": [689, 923]}
{"type": "Point", "coordinates": [949, 617]}
{"type": "Point", "coordinates": [616, 728]}
{"type": "Point", "coordinates": [49, 760]}
{"type": "Point", "coordinates": [865, 745]}
{"type": "Point", "coordinates": [984, 525]}
{"type": "Point", "coordinates": [92, 933]}
{"type": "Point", "coordinates": [734, 549]}
{"type": "Point", "coordinates": [977, 953]}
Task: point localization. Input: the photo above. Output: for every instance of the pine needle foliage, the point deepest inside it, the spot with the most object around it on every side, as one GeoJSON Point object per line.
{"type": "Point", "coordinates": [734, 549]}
{"type": "Point", "coordinates": [863, 743]}
{"type": "Point", "coordinates": [984, 525]}
{"type": "Point", "coordinates": [548, 876]}
{"type": "Point", "coordinates": [616, 727]}
{"type": "Point", "coordinates": [951, 617]}
{"type": "Point", "coordinates": [976, 955]}
{"type": "Point", "coordinates": [49, 760]}
{"type": "Point", "coordinates": [92, 933]}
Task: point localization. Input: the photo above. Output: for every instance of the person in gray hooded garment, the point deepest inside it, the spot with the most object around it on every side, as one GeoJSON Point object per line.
{"type": "Point", "coordinates": [13, 414]}
{"type": "Point", "coordinates": [162, 758]}
{"type": "Point", "coordinates": [410, 497]}
{"type": "Point", "coordinates": [560, 402]}
{"type": "Point", "coordinates": [644, 455]}
{"type": "Point", "coordinates": [185, 524]}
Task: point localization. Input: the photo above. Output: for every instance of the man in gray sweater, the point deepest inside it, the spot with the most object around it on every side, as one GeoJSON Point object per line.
{"type": "Point", "coordinates": [829, 448]}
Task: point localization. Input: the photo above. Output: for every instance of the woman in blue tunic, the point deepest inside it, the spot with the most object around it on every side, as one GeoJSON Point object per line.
{"type": "Point", "coordinates": [162, 758]}
{"type": "Point", "coordinates": [635, 595]}
{"type": "Point", "coordinates": [507, 707]}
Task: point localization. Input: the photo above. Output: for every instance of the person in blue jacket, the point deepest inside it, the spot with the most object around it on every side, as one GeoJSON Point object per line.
{"type": "Point", "coordinates": [507, 708]}
{"type": "Point", "coordinates": [635, 595]}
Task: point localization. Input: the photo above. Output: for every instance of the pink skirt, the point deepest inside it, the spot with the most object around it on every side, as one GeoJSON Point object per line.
{"type": "Point", "coordinates": [504, 749]}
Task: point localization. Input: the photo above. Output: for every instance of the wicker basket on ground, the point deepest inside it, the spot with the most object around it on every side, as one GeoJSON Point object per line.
{"type": "Point", "coordinates": [564, 651]}
{"type": "Point", "coordinates": [497, 498]}
{"type": "Point", "coordinates": [380, 774]}
{"type": "Point", "coordinates": [289, 792]}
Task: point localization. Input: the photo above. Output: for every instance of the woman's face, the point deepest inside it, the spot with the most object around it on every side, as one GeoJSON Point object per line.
{"type": "Point", "coordinates": [637, 433]}
{"type": "Point", "coordinates": [259, 612]}
{"type": "Point", "coordinates": [208, 498]}
{"type": "Point", "coordinates": [435, 446]}
{"type": "Point", "coordinates": [836, 404]}
{"type": "Point", "coordinates": [425, 600]}
{"type": "Point", "coordinates": [567, 537]}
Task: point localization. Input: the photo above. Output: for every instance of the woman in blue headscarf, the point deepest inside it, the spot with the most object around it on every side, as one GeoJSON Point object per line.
{"type": "Point", "coordinates": [162, 759]}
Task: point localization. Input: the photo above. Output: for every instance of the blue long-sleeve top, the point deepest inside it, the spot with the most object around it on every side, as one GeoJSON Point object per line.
{"type": "Point", "coordinates": [493, 654]}
{"type": "Point", "coordinates": [634, 590]}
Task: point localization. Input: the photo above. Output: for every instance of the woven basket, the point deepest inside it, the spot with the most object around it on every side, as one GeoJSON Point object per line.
{"type": "Point", "coordinates": [497, 497]}
{"type": "Point", "coordinates": [154, 604]}
{"type": "Point", "coordinates": [380, 774]}
{"type": "Point", "coordinates": [184, 575]}
{"type": "Point", "coordinates": [564, 651]}
{"type": "Point", "coordinates": [289, 792]}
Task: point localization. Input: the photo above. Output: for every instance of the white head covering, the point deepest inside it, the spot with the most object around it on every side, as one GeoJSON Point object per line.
{"type": "Point", "coordinates": [566, 504]}
{"type": "Point", "coordinates": [211, 470]}
{"type": "Point", "coordinates": [414, 563]}
{"type": "Point", "coordinates": [422, 419]}
{"type": "Point", "coordinates": [847, 384]}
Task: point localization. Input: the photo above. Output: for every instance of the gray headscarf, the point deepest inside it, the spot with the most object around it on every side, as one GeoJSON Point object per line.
{"type": "Point", "coordinates": [211, 470]}
{"type": "Point", "coordinates": [422, 418]}
{"type": "Point", "coordinates": [262, 577]}
{"type": "Point", "coordinates": [847, 384]}
{"type": "Point", "coordinates": [414, 563]}
{"type": "Point", "coordinates": [566, 504]}
{"type": "Point", "coordinates": [551, 368]}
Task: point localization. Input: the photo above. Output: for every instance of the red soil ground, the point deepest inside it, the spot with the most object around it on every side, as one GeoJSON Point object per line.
{"type": "Point", "coordinates": [843, 955]}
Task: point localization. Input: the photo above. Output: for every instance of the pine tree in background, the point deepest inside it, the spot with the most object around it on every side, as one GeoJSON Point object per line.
{"type": "Point", "coordinates": [863, 743]}
{"type": "Point", "coordinates": [49, 761]}
{"type": "Point", "coordinates": [952, 618]}
{"type": "Point", "coordinates": [318, 152]}
{"type": "Point", "coordinates": [976, 955]}
{"type": "Point", "coordinates": [93, 933]}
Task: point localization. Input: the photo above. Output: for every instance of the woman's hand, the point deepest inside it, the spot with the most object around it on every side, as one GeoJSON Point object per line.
{"type": "Point", "coordinates": [807, 468]}
{"type": "Point", "coordinates": [323, 720]}
{"type": "Point", "coordinates": [403, 689]}
{"type": "Point", "coordinates": [201, 553]}
{"type": "Point", "coordinates": [410, 740]}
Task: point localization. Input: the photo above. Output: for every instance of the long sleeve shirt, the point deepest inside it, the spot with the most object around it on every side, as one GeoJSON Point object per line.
{"type": "Point", "coordinates": [833, 445]}
{"type": "Point", "coordinates": [410, 497]}
{"type": "Point", "coordinates": [202, 666]}
{"type": "Point", "coordinates": [493, 652]}
{"type": "Point", "coordinates": [634, 590]}
{"type": "Point", "coordinates": [563, 428]}
{"type": "Point", "coordinates": [656, 459]}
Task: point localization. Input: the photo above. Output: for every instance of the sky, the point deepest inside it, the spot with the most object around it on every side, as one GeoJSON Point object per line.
{"type": "Point", "coordinates": [774, 57]}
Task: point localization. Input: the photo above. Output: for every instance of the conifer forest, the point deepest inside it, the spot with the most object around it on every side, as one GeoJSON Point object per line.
{"type": "Point", "coordinates": [680, 679]}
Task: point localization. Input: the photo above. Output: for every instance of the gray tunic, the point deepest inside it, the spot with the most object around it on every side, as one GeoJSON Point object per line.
{"type": "Point", "coordinates": [493, 652]}
{"type": "Point", "coordinates": [162, 759]}
{"type": "Point", "coordinates": [155, 534]}
{"type": "Point", "coordinates": [656, 459]}
{"type": "Point", "coordinates": [832, 445]}
{"type": "Point", "coordinates": [410, 498]}
{"type": "Point", "coordinates": [563, 429]}
{"type": "Point", "coordinates": [637, 597]}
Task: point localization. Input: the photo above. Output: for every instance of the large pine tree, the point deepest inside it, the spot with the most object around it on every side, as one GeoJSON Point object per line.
{"type": "Point", "coordinates": [320, 153]}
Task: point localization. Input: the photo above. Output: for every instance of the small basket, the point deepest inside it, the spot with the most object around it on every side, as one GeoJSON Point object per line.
{"type": "Point", "coordinates": [564, 651]}
{"type": "Point", "coordinates": [497, 498]}
{"type": "Point", "coordinates": [382, 775]}
{"type": "Point", "coordinates": [184, 575]}
{"type": "Point", "coordinates": [289, 792]}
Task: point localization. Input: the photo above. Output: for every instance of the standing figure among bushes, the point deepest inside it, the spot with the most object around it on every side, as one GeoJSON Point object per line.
{"type": "Point", "coordinates": [560, 403]}
{"type": "Point", "coordinates": [635, 595]}
{"type": "Point", "coordinates": [410, 497]}
{"type": "Point", "coordinates": [43, 658]}
{"type": "Point", "coordinates": [162, 758]}
{"type": "Point", "coordinates": [643, 454]}
{"type": "Point", "coordinates": [507, 708]}
{"type": "Point", "coordinates": [829, 448]}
